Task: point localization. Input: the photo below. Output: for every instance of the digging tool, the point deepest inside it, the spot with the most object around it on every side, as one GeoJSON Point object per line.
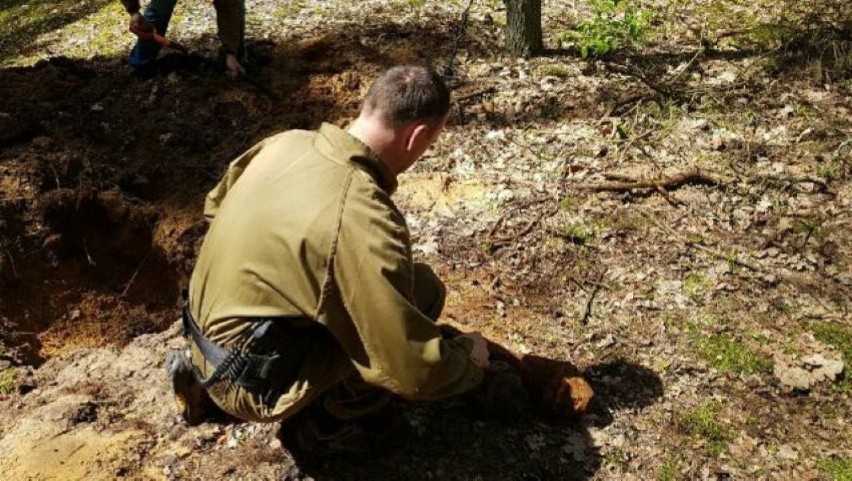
{"type": "Point", "coordinates": [166, 42]}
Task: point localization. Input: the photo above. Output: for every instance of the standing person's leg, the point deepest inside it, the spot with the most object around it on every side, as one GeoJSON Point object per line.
{"type": "Point", "coordinates": [231, 22]}
{"type": "Point", "coordinates": [144, 54]}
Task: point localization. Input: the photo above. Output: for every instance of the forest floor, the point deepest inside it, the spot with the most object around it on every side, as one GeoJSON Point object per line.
{"type": "Point", "coordinates": [674, 220]}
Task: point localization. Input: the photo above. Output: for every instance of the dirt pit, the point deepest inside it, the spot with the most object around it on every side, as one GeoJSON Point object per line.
{"type": "Point", "coordinates": [92, 276]}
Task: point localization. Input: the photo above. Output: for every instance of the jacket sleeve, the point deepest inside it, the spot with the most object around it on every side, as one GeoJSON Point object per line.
{"type": "Point", "coordinates": [132, 6]}
{"type": "Point", "coordinates": [235, 170]}
{"type": "Point", "coordinates": [400, 348]}
{"type": "Point", "coordinates": [230, 20]}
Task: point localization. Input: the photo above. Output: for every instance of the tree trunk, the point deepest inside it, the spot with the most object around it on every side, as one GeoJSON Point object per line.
{"type": "Point", "coordinates": [523, 27]}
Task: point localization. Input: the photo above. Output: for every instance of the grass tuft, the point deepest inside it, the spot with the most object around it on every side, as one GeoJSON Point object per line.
{"type": "Point", "coordinates": [837, 469]}
{"type": "Point", "coordinates": [840, 337]}
{"type": "Point", "coordinates": [7, 381]}
{"type": "Point", "coordinates": [695, 284]}
{"type": "Point", "coordinates": [575, 233]}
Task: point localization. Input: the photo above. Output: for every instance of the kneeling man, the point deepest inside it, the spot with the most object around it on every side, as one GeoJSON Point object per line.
{"type": "Point", "coordinates": [305, 302]}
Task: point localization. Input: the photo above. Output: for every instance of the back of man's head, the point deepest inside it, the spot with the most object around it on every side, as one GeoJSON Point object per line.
{"type": "Point", "coordinates": [408, 93]}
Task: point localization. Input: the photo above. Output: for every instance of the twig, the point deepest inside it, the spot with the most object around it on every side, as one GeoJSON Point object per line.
{"type": "Point", "coordinates": [587, 312]}
{"type": "Point", "coordinates": [629, 100]}
{"type": "Point", "coordinates": [475, 93]}
{"type": "Point", "coordinates": [12, 262]}
{"type": "Point", "coordinates": [694, 176]}
{"type": "Point", "coordinates": [792, 180]}
{"type": "Point", "coordinates": [133, 277]}
{"type": "Point", "coordinates": [632, 141]}
{"type": "Point", "coordinates": [88, 257]}
{"type": "Point", "coordinates": [722, 256]}
{"type": "Point", "coordinates": [504, 241]}
{"type": "Point", "coordinates": [497, 225]}
{"type": "Point", "coordinates": [714, 252]}
{"type": "Point", "coordinates": [528, 151]}
{"type": "Point", "coordinates": [526, 230]}
{"type": "Point", "coordinates": [674, 202]}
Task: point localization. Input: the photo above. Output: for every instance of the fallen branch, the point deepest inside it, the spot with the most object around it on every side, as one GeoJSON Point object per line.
{"type": "Point", "coordinates": [694, 176]}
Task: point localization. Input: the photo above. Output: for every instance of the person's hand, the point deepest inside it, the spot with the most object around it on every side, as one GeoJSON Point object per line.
{"type": "Point", "coordinates": [141, 27]}
{"type": "Point", "coordinates": [232, 66]}
{"type": "Point", "coordinates": [479, 354]}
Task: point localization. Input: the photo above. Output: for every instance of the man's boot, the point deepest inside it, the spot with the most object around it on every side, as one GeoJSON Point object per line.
{"type": "Point", "coordinates": [193, 402]}
{"type": "Point", "coordinates": [314, 434]}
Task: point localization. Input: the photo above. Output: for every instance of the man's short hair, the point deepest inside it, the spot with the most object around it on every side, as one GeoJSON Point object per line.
{"type": "Point", "coordinates": [408, 93]}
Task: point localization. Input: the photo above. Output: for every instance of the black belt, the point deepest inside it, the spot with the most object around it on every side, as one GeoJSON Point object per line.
{"type": "Point", "coordinates": [248, 370]}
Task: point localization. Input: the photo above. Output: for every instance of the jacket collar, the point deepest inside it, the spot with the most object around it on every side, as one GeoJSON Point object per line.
{"type": "Point", "coordinates": [337, 143]}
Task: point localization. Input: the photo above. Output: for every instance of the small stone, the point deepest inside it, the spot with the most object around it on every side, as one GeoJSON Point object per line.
{"type": "Point", "coordinates": [814, 360]}
{"type": "Point", "coordinates": [793, 377]}
{"type": "Point", "coordinates": [606, 342]}
{"type": "Point", "coordinates": [787, 452]}
{"type": "Point", "coordinates": [505, 195]}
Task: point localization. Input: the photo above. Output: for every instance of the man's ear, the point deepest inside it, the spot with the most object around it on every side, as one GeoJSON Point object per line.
{"type": "Point", "coordinates": [419, 138]}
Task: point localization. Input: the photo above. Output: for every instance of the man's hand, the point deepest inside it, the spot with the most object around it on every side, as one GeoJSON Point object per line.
{"type": "Point", "coordinates": [141, 27]}
{"type": "Point", "coordinates": [232, 66]}
{"type": "Point", "coordinates": [479, 354]}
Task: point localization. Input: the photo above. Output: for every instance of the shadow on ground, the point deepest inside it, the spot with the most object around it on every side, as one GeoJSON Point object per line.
{"type": "Point", "coordinates": [454, 443]}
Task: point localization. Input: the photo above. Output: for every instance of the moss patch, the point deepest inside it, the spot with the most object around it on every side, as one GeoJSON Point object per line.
{"type": "Point", "coordinates": [730, 355]}
{"type": "Point", "coordinates": [701, 422]}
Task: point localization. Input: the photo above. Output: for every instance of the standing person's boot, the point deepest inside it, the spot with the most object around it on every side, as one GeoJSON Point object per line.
{"type": "Point", "coordinates": [192, 400]}
{"type": "Point", "coordinates": [143, 57]}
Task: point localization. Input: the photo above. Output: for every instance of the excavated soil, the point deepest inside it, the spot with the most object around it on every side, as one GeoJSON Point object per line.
{"type": "Point", "coordinates": [102, 178]}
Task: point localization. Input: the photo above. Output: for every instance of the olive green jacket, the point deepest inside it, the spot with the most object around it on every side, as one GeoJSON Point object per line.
{"type": "Point", "coordinates": [230, 20]}
{"type": "Point", "coordinates": [303, 226]}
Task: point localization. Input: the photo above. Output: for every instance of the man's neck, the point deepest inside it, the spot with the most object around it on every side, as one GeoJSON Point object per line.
{"type": "Point", "coordinates": [381, 141]}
